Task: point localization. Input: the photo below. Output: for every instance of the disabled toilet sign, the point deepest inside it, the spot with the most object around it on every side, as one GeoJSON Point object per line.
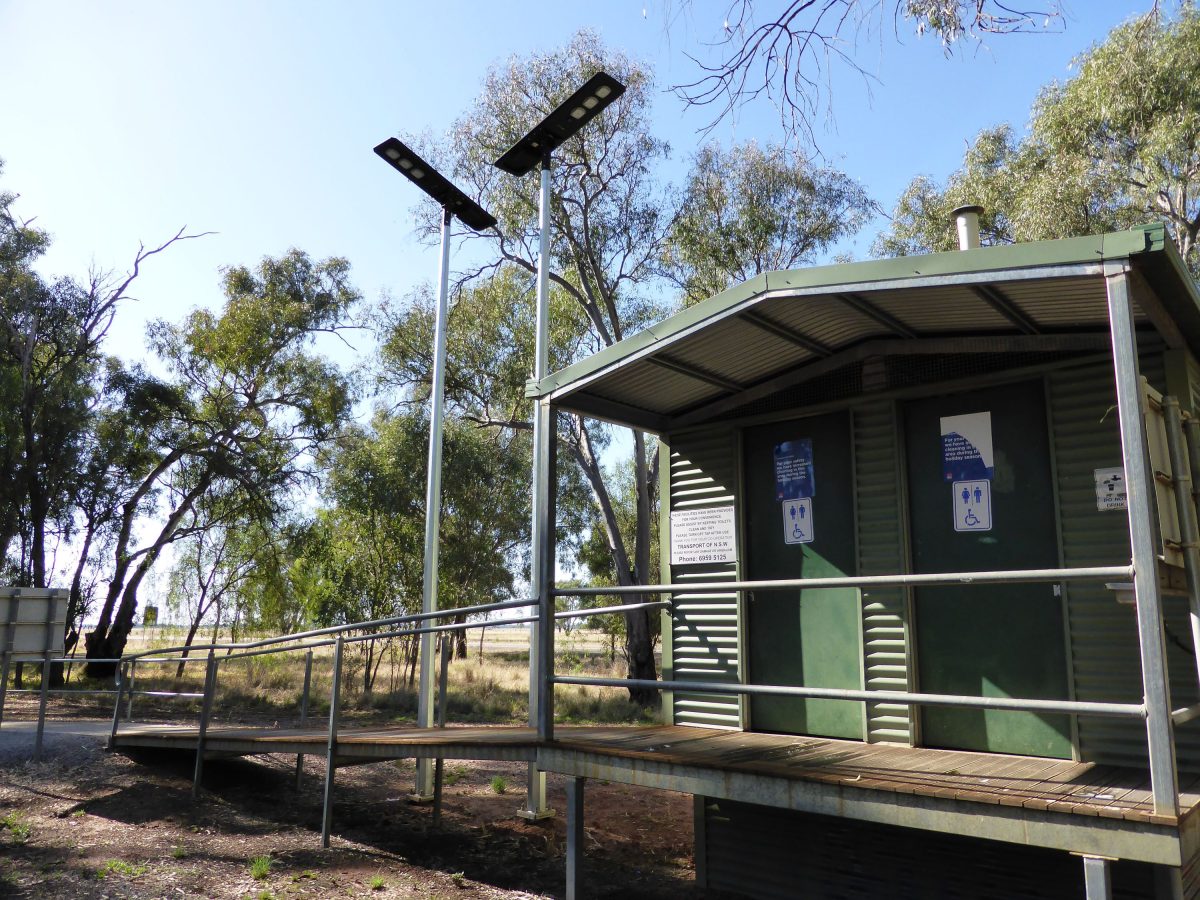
{"type": "Point", "coordinates": [798, 521]}
{"type": "Point", "coordinates": [972, 505]}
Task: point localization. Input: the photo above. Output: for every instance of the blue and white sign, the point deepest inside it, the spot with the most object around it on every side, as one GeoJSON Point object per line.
{"type": "Point", "coordinates": [973, 505]}
{"type": "Point", "coordinates": [794, 470]}
{"type": "Point", "coordinates": [798, 521]}
{"type": "Point", "coordinates": [967, 447]}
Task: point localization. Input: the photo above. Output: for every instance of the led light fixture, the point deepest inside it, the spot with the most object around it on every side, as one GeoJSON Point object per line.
{"type": "Point", "coordinates": [433, 183]}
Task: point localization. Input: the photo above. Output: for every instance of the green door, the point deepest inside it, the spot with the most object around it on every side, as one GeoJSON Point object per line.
{"type": "Point", "coordinates": [799, 504]}
{"type": "Point", "coordinates": [990, 640]}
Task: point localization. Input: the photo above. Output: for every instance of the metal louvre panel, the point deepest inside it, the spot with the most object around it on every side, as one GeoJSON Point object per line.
{"type": "Point", "coordinates": [1061, 302]}
{"type": "Point", "coordinates": [880, 552]}
{"type": "Point", "coordinates": [761, 852]}
{"type": "Point", "coordinates": [1103, 632]}
{"type": "Point", "coordinates": [740, 352]}
{"type": "Point", "coordinates": [955, 308]}
{"type": "Point", "coordinates": [704, 632]}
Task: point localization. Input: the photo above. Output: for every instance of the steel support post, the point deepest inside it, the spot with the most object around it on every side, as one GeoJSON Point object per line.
{"type": "Point", "coordinates": [535, 788]}
{"type": "Point", "coordinates": [575, 788]}
{"type": "Point", "coordinates": [116, 719]}
{"type": "Point", "coordinates": [304, 712]}
{"type": "Point", "coordinates": [210, 691]}
{"type": "Point", "coordinates": [335, 705]}
{"type": "Point", "coordinates": [1097, 878]}
{"type": "Point", "coordinates": [544, 536]}
{"type": "Point", "coordinates": [1142, 510]}
{"type": "Point", "coordinates": [439, 766]}
{"type": "Point", "coordinates": [1186, 508]}
{"type": "Point", "coordinates": [433, 506]}
{"type": "Point", "coordinates": [43, 693]}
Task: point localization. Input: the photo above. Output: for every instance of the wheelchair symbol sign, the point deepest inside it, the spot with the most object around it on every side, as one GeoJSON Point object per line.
{"type": "Point", "coordinates": [972, 505]}
{"type": "Point", "coordinates": [798, 521]}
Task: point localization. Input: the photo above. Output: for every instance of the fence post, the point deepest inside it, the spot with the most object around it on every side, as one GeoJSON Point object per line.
{"type": "Point", "coordinates": [331, 748]}
{"type": "Point", "coordinates": [210, 690]}
{"type": "Point", "coordinates": [304, 711]}
{"type": "Point", "coordinates": [132, 683]}
{"type": "Point", "coordinates": [439, 765]}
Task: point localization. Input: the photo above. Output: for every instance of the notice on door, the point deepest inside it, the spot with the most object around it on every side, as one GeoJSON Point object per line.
{"type": "Point", "coordinates": [798, 521]}
{"type": "Point", "coordinates": [967, 447]}
{"type": "Point", "coordinates": [703, 536]}
{"type": "Point", "coordinates": [794, 470]}
{"type": "Point", "coordinates": [973, 505]}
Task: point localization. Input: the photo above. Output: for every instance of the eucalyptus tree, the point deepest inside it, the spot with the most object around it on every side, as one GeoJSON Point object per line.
{"type": "Point", "coordinates": [1114, 146]}
{"type": "Point", "coordinates": [369, 538]}
{"type": "Point", "coordinates": [788, 51]}
{"type": "Point", "coordinates": [247, 404]}
{"type": "Point", "coordinates": [750, 209]}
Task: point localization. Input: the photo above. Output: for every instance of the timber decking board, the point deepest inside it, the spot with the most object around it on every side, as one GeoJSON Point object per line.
{"type": "Point", "coordinates": [1066, 786]}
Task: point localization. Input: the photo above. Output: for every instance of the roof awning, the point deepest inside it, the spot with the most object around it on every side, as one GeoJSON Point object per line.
{"type": "Point", "coordinates": [782, 330]}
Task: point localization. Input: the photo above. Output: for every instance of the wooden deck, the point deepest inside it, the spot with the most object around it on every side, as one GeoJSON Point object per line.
{"type": "Point", "coordinates": [1059, 786]}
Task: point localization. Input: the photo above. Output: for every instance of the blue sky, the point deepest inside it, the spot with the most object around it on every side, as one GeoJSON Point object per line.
{"type": "Point", "coordinates": [124, 121]}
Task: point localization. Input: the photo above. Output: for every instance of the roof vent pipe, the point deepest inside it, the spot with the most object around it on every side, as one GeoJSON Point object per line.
{"type": "Point", "coordinates": [966, 219]}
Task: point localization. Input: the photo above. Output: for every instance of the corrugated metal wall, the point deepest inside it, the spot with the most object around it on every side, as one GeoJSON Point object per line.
{"type": "Point", "coordinates": [760, 852]}
{"type": "Point", "coordinates": [881, 552]}
{"type": "Point", "coordinates": [1103, 632]}
{"type": "Point", "coordinates": [704, 633]}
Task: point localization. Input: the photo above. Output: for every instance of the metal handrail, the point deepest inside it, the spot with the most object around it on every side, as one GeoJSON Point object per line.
{"type": "Point", "coordinates": [339, 629]}
{"type": "Point", "coordinates": [1074, 707]}
{"type": "Point", "coordinates": [1012, 576]}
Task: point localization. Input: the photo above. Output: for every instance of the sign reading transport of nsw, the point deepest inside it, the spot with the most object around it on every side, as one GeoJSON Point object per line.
{"type": "Point", "coordinates": [703, 536]}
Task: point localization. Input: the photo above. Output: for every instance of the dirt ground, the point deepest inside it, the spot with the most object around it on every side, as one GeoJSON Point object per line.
{"type": "Point", "coordinates": [85, 823]}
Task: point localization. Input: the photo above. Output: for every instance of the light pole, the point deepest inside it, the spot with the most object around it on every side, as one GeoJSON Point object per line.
{"type": "Point", "coordinates": [537, 147]}
{"type": "Point", "coordinates": [454, 203]}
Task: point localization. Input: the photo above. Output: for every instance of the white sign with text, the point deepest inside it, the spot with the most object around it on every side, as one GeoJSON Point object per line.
{"type": "Point", "coordinates": [706, 535]}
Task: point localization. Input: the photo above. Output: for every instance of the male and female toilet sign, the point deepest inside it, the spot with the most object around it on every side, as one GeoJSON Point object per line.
{"type": "Point", "coordinates": [968, 464]}
{"type": "Point", "coordinates": [795, 487]}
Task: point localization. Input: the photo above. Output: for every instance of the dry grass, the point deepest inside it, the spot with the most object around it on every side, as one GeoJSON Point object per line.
{"type": "Point", "coordinates": [492, 688]}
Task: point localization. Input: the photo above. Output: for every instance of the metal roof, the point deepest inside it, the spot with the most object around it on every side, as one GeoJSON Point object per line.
{"type": "Point", "coordinates": [781, 329]}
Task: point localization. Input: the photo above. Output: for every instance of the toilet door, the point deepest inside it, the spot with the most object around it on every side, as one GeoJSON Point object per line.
{"type": "Point", "coordinates": [1001, 640]}
{"type": "Point", "coordinates": [799, 503]}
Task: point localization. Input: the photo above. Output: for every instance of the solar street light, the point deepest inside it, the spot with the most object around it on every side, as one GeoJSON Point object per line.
{"type": "Point", "coordinates": [454, 203]}
{"type": "Point", "coordinates": [537, 146]}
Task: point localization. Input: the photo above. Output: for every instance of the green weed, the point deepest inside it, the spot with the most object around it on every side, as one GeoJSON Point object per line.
{"type": "Point", "coordinates": [260, 867]}
{"type": "Point", "coordinates": [119, 867]}
{"type": "Point", "coordinates": [499, 784]}
{"type": "Point", "coordinates": [378, 883]}
{"type": "Point", "coordinates": [17, 827]}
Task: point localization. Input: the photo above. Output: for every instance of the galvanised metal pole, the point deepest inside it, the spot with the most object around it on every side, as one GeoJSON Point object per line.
{"type": "Point", "coordinates": [535, 793]}
{"type": "Point", "coordinates": [122, 668]}
{"type": "Point", "coordinates": [1139, 485]}
{"type": "Point", "coordinates": [433, 505]}
{"type": "Point", "coordinates": [206, 706]}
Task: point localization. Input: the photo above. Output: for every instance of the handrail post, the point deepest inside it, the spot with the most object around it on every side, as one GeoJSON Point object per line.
{"type": "Point", "coordinates": [308, 657]}
{"type": "Point", "coordinates": [132, 683]}
{"type": "Point", "coordinates": [1141, 511]}
{"type": "Point", "coordinates": [116, 720]}
{"type": "Point", "coordinates": [331, 746]}
{"type": "Point", "coordinates": [210, 690]}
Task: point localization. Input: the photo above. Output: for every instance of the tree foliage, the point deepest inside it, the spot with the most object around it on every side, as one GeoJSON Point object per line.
{"type": "Point", "coordinates": [749, 210]}
{"type": "Point", "coordinates": [1113, 147]}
